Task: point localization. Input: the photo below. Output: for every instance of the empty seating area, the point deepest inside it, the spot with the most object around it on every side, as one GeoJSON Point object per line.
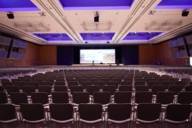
{"type": "Point", "coordinates": [99, 98]}
{"type": "Point", "coordinates": [95, 63]}
{"type": "Point", "coordinates": [15, 72]}
{"type": "Point", "coordinates": [180, 71]}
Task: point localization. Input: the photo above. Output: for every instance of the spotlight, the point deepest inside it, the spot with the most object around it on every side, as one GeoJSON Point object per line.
{"type": "Point", "coordinates": [10, 15]}
{"type": "Point", "coordinates": [96, 18]}
{"type": "Point", "coordinates": [185, 13]}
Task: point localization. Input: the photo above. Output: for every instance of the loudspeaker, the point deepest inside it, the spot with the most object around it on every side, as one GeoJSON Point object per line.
{"type": "Point", "coordinates": [185, 13]}
{"type": "Point", "coordinates": [10, 15]}
{"type": "Point", "coordinates": [96, 19]}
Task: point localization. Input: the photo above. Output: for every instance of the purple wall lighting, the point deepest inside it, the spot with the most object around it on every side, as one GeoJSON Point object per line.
{"type": "Point", "coordinates": [97, 36]}
{"type": "Point", "coordinates": [175, 4]}
{"type": "Point", "coordinates": [53, 36]}
{"type": "Point", "coordinates": [17, 5]}
{"type": "Point", "coordinates": [141, 35]}
{"type": "Point", "coordinates": [96, 4]}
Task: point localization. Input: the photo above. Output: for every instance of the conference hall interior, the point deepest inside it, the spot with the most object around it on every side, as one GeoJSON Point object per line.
{"type": "Point", "coordinates": [95, 63]}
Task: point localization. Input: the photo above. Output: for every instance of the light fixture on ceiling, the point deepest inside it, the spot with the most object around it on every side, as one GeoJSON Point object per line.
{"type": "Point", "coordinates": [42, 14]}
{"type": "Point", "coordinates": [185, 13]}
{"type": "Point", "coordinates": [152, 12]}
{"type": "Point", "coordinates": [10, 15]}
{"type": "Point", "coordinates": [96, 17]}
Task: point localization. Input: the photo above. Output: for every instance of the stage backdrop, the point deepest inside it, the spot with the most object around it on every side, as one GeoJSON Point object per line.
{"type": "Point", "coordinates": [127, 55]}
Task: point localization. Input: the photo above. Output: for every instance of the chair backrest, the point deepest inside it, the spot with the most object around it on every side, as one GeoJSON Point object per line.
{"type": "Point", "coordinates": [80, 97]}
{"type": "Point", "coordinates": [177, 112]}
{"type": "Point", "coordinates": [12, 89]}
{"type": "Point", "coordinates": [102, 97]}
{"type": "Point", "coordinates": [32, 113]}
{"type": "Point", "coordinates": [143, 97]}
{"type": "Point", "coordinates": [122, 97]}
{"type": "Point", "coordinates": [45, 83]}
{"type": "Point", "coordinates": [44, 88]}
{"type": "Point", "coordinates": [90, 112]}
{"type": "Point", "coordinates": [185, 98]}
{"type": "Point", "coordinates": [60, 83]}
{"type": "Point", "coordinates": [72, 83]}
{"type": "Point", "coordinates": [76, 88]}
{"type": "Point", "coordinates": [92, 89]}
{"type": "Point", "coordinates": [176, 88]}
{"type": "Point", "coordinates": [109, 88]}
{"type": "Point", "coordinates": [165, 97]}
{"type": "Point", "coordinates": [28, 89]}
{"type": "Point", "coordinates": [40, 97]}
{"type": "Point", "coordinates": [6, 82]}
{"type": "Point", "coordinates": [60, 97]}
{"type": "Point", "coordinates": [141, 88]}
{"type": "Point", "coordinates": [139, 82]}
{"type": "Point", "coordinates": [148, 112]}
{"type": "Point", "coordinates": [7, 113]}
{"type": "Point", "coordinates": [1, 89]}
{"type": "Point", "coordinates": [60, 88]}
{"type": "Point", "coordinates": [61, 112]}
{"type": "Point", "coordinates": [159, 88]}
{"type": "Point", "coordinates": [125, 88]}
{"type": "Point", "coordinates": [3, 98]}
{"type": "Point", "coordinates": [188, 88]}
{"type": "Point", "coordinates": [18, 98]}
{"type": "Point", "coordinates": [119, 112]}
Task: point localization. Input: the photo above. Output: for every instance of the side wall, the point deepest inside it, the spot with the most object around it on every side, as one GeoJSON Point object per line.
{"type": "Point", "coordinates": [30, 58]}
{"type": "Point", "coordinates": [47, 55]}
{"type": "Point", "coordinates": [160, 54]}
{"type": "Point", "coordinates": [34, 55]}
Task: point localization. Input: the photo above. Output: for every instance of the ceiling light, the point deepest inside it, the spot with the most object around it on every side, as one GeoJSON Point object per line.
{"type": "Point", "coordinates": [10, 15]}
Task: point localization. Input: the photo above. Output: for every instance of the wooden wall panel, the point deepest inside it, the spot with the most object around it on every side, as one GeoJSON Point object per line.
{"type": "Point", "coordinates": [165, 55]}
{"type": "Point", "coordinates": [47, 55]}
{"type": "Point", "coordinates": [30, 58]}
{"type": "Point", "coordinates": [147, 55]}
{"type": "Point", "coordinates": [160, 54]}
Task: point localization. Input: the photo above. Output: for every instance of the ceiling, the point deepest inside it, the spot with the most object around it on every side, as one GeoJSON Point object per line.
{"type": "Point", "coordinates": [60, 22]}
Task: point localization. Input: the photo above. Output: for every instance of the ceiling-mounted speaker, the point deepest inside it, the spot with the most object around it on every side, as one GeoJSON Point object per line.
{"type": "Point", "coordinates": [185, 13]}
{"type": "Point", "coordinates": [10, 15]}
{"type": "Point", "coordinates": [96, 18]}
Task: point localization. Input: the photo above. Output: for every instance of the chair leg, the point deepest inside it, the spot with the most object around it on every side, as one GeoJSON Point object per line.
{"type": "Point", "coordinates": [162, 124]}
{"type": "Point", "coordinates": [105, 124]}
{"type": "Point", "coordinates": [78, 124]}
{"type": "Point", "coordinates": [129, 124]}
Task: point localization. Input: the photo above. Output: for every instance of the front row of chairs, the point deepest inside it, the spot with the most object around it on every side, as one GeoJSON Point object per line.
{"type": "Point", "coordinates": [94, 115]}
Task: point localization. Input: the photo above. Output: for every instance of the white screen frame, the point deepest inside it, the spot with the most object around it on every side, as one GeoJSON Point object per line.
{"type": "Point", "coordinates": [190, 61]}
{"type": "Point", "coordinates": [97, 54]}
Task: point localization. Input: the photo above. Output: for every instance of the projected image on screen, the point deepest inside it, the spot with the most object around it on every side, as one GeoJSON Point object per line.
{"type": "Point", "coordinates": [97, 56]}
